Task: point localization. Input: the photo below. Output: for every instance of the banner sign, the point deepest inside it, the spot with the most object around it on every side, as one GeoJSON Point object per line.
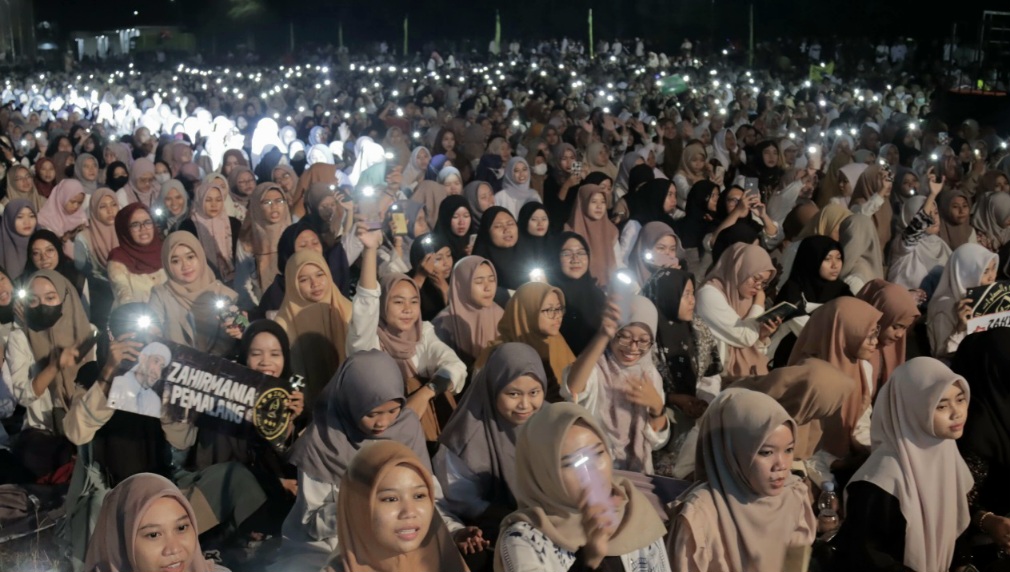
{"type": "Point", "coordinates": [181, 385]}
{"type": "Point", "coordinates": [990, 307]}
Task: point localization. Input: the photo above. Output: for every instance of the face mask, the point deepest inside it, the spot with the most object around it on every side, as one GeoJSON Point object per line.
{"type": "Point", "coordinates": [116, 183]}
{"type": "Point", "coordinates": [7, 313]}
{"type": "Point", "coordinates": [540, 169]}
{"type": "Point", "coordinates": [43, 317]}
{"type": "Point", "coordinates": [162, 177]}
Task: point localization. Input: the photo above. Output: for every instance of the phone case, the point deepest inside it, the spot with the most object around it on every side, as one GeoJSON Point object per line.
{"type": "Point", "coordinates": [399, 223]}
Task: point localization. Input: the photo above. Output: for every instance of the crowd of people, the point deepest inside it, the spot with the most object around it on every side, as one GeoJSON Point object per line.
{"type": "Point", "coordinates": [634, 313]}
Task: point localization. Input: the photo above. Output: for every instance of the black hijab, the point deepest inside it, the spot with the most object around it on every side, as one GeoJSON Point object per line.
{"type": "Point", "coordinates": [698, 221]}
{"type": "Point", "coordinates": [768, 177]}
{"type": "Point", "coordinates": [584, 300]}
{"type": "Point", "coordinates": [638, 176]}
{"type": "Point", "coordinates": [432, 300]}
{"type": "Point", "coordinates": [744, 230]}
{"type": "Point", "coordinates": [675, 340]}
{"type": "Point", "coordinates": [533, 248]}
{"type": "Point", "coordinates": [65, 266]}
{"type": "Point", "coordinates": [805, 280]}
{"type": "Point", "coordinates": [512, 270]}
{"type": "Point", "coordinates": [443, 226]}
{"type": "Point", "coordinates": [985, 364]}
{"type": "Point", "coordinates": [646, 204]}
{"type": "Point", "coordinates": [269, 326]}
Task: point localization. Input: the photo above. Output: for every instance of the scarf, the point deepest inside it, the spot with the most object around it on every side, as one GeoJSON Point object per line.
{"type": "Point", "coordinates": [983, 361]}
{"type": "Point", "coordinates": [13, 246]}
{"type": "Point", "coordinates": [861, 249]}
{"type": "Point", "coordinates": [54, 216]}
{"type": "Point", "coordinates": [45, 189]}
{"type": "Point", "coordinates": [32, 196]}
{"type": "Point", "coordinates": [835, 333]}
{"type": "Point", "coordinates": [698, 221]}
{"type": "Point", "coordinates": [472, 191]}
{"type": "Point", "coordinates": [214, 232]}
{"type": "Point", "coordinates": [923, 471]}
{"type": "Point", "coordinates": [138, 259]}
{"type": "Point", "coordinates": [236, 196]}
{"type": "Point", "coordinates": [443, 228]}
{"type": "Point", "coordinates": [465, 326]}
{"type": "Point", "coordinates": [596, 156]}
{"type": "Point", "coordinates": [870, 183]}
{"type": "Point", "coordinates": [90, 185]}
{"type": "Point", "coordinates": [261, 237]}
{"type": "Point", "coordinates": [141, 167]}
{"type": "Point", "coordinates": [964, 270]}
{"type": "Point", "coordinates": [911, 267]}
{"type": "Point", "coordinates": [805, 282]}
{"type": "Point", "coordinates": [643, 260]}
{"type": "Point", "coordinates": [101, 236]}
{"type": "Point", "coordinates": [508, 263]}
{"type": "Point", "coordinates": [601, 235]}
{"type": "Point", "coordinates": [170, 221]}
{"type": "Point", "coordinates": [950, 232]}
{"type": "Point", "coordinates": [990, 213]}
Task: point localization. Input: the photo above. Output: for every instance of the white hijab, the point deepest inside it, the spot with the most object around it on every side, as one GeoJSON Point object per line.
{"type": "Point", "coordinates": [963, 271]}
{"type": "Point", "coordinates": [909, 267]}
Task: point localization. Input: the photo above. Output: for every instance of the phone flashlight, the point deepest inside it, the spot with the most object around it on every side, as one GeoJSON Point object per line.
{"type": "Point", "coordinates": [537, 275]}
{"type": "Point", "coordinates": [22, 294]}
{"type": "Point", "coordinates": [143, 322]}
{"type": "Point", "coordinates": [812, 149]}
{"type": "Point", "coordinates": [369, 191]}
{"type": "Point", "coordinates": [220, 304]}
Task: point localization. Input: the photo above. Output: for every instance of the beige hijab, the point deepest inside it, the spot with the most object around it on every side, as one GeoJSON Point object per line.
{"type": "Point", "coordinates": [834, 334]}
{"type": "Point", "coordinates": [359, 552]}
{"type": "Point", "coordinates": [870, 183]}
{"type": "Point", "coordinates": [861, 246]}
{"type": "Point", "coordinates": [600, 234]}
{"type": "Point", "coordinates": [70, 330]}
{"type": "Point", "coordinates": [924, 472]}
{"type": "Point", "coordinates": [753, 531]}
{"type": "Point", "coordinates": [543, 500]}
{"type": "Point", "coordinates": [318, 330]}
{"type": "Point", "coordinates": [33, 196]}
{"type": "Point", "coordinates": [102, 238]}
{"type": "Point", "coordinates": [191, 316]}
{"type": "Point", "coordinates": [809, 391]}
{"type": "Point", "coordinates": [737, 264]}
{"type": "Point", "coordinates": [826, 222]}
{"type": "Point", "coordinates": [261, 237]}
{"type": "Point", "coordinates": [466, 327]}
{"type": "Point", "coordinates": [215, 232]}
{"type": "Point", "coordinates": [112, 544]}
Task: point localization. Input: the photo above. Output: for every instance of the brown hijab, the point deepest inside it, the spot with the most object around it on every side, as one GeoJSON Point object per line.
{"type": "Point", "coordinates": [835, 333]}
{"type": "Point", "coordinates": [318, 330]}
{"type": "Point", "coordinates": [809, 391]}
{"type": "Point", "coordinates": [261, 237]}
{"type": "Point", "coordinates": [897, 305]}
{"type": "Point", "coordinates": [736, 265]}
{"type": "Point", "coordinates": [70, 330]}
{"type": "Point", "coordinates": [112, 544]}
{"type": "Point", "coordinates": [953, 234]}
{"type": "Point", "coordinates": [544, 502]}
{"type": "Point", "coordinates": [870, 183]}
{"type": "Point", "coordinates": [102, 237]}
{"type": "Point", "coordinates": [466, 327]}
{"type": "Point", "coordinates": [358, 491]}
{"type": "Point", "coordinates": [600, 234]}
{"type": "Point", "coordinates": [317, 173]}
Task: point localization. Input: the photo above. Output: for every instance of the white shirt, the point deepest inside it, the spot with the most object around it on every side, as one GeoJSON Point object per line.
{"type": "Point", "coordinates": [728, 328]}
{"type": "Point", "coordinates": [128, 394]}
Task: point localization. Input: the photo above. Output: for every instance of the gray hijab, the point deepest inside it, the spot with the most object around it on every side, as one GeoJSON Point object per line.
{"type": "Point", "coordinates": [478, 435]}
{"type": "Point", "coordinates": [365, 381]}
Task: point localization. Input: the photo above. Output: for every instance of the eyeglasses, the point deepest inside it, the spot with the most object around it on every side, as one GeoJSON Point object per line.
{"type": "Point", "coordinates": [626, 341]}
{"type": "Point", "coordinates": [271, 202]}
{"type": "Point", "coordinates": [553, 312]}
{"type": "Point", "coordinates": [19, 179]}
{"type": "Point", "coordinates": [569, 254]}
{"type": "Point", "coordinates": [758, 281]}
{"type": "Point", "coordinates": [141, 224]}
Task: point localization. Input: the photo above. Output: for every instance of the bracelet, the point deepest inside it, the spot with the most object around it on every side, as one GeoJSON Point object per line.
{"type": "Point", "coordinates": [982, 518]}
{"type": "Point", "coordinates": [662, 412]}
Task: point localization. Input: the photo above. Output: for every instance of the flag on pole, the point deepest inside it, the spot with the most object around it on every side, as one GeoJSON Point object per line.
{"type": "Point", "coordinates": [405, 30]}
{"type": "Point", "coordinates": [497, 30]}
{"type": "Point", "coordinates": [592, 48]}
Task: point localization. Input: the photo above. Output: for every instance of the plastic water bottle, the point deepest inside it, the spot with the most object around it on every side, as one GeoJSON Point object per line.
{"type": "Point", "coordinates": [827, 511]}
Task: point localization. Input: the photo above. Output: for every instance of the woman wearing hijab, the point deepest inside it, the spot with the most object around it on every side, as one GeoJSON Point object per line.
{"type": "Point", "coordinates": [241, 184]}
{"type": "Point", "coordinates": [362, 403]}
{"type": "Point", "coordinates": [20, 185]}
{"type": "Point", "coordinates": [64, 214]}
{"type": "Point", "coordinates": [561, 185]}
{"type": "Point", "coordinates": [86, 172]}
{"type": "Point", "coordinates": [44, 254]}
{"type": "Point", "coordinates": [871, 197]}
{"type": "Point", "coordinates": [599, 160]}
{"type": "Point", "coordinates": [615, 380]}
{"type": "Point", "coordinates": [516, 190]}
{"type": "Point", "coordinates": [259, 238]}
{"type": "Point", "coordinates": [983, 361]}
{"type": "Point", "coordinates": [394, 254]}
{"type": "Point", "coordinates": [116, 176]}
{"type": "Point", "coordinates": [622, 183]}
{"type": "Point", "coordinates": [948, 312]}
{"type": "Point", "coordinates": [299, 236]}
{"type": "Point", "coordinates": [656, 247]}
{"type": "Point", "coordinates": [992, 213]}
{"type": "Point", "coordinates": [173, 205]}
{"type": "Point", "coordinates": [480, 196]}
{"type": "Point", "coordinates": [535, 236]}
{"type": "Point", "coordinates": [217, 232]}
{"type": "Point", "coordinates": [143, 187]}
{"type": "Point", "coordinates": [553, 529]}
{"type": "Point", "coordinates": [830, 191]}
{"type": "Point", "coordinates": [730, 301]}
{"type": "Point", "coordinates": [455, 225]}
{"type": "Point", "coordinates": [388, 318]}
{"type": "Point", "coordinates": [315, 315]}
{"type": "Point", "coordinates": [496, 241]}
{"type": "Point", "coordinates": [383, 482]}
{"type": "Point", "coordinates": [17, 226]}
{"type": "Point", "coordinates": [844, 333]}
{"type": "Point", "coordinates": [41, 366]}
{"type": "Point", "coordinates": [693, 170]}
{"type": "Point", "coordinates": [144, 522]}
{"type": "Point", "coordinates": [656, 201]}
{"type": "Point", "coordinates": [135, 266]}
{"type": "Point", "coordinates": [746, 509]}
{"type": "Point", "coordinates": [698, 222]}
{"type": "Point", "coordinates": [430, 195]}
{"type": "Point", "coordinates": [861, 249]}
{"type": "Point", "coordinates": [826, 222]}
{"type": "Point", "coordinates": [907, 504]}
{"type": "Point", "coordinates": [45, 176]}
{"type": "Point", "coordinates": [431, 266]}
{"type": "Point", "coordinates": [900, 312]}
{"type": "Point", "coordinates": [476, 462]}
{"type": "Point", "coordinates": [590, 221]}
{"type": "Point", "coordinates": [187, 304]}
{"type": "Point", "coordinates": [569, 271]}
{"type": "Point", "coordinates": [919, 254]}
{"type": "Point", "coordinates": [92, 247]}
{"type": "Point", "coordinates": [815, 280]}
{"type": "Point", "coordinates": [955, 218]}
{"type": "Point", "coordinates": [469, 323]}
{"type": "Point", "coordinates": [420, 158]}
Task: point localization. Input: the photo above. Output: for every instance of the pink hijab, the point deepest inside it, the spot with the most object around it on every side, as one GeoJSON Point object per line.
{"type": "Point", "coordinates": [54, 215]}
{"type": "Point", "coordinates": [463, 325]}
{"type": "Point", "coordinates": [214, 232]}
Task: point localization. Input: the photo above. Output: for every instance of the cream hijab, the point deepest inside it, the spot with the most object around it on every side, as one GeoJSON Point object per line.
{"type": "Point", "coordinates": [543, 500]}
{"type": "Point", "coordinates": [754, 530]}
{"type": "Point", "coordinates": [465, 326]}
{"type": "Point", "coordinates": [261, 237]}
{"type": "Point", "coordinates": [861, 247]}
{"type": "Point", "coordinates": [924, 472]}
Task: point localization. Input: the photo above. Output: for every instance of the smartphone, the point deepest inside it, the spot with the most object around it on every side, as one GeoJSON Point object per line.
{"type": "Point", "coordinates": [944, 138]}
{"type": "Point", "coordinates": [473, 240]}
{"type": "Point", "coordinates": [591, 479]}
{"type": "Point", "coordinates": [85, 346]}
{"type": "Point", "coordinates": [622, 287]}
{"type": "Point", "coordinates": [750, 186]}
{"type": "Point", "coordinates": [231, 312]}
{"type": "Point", "coordinates": [577, 167]}
{"type": "Point", "coordinates": [399, 224]}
